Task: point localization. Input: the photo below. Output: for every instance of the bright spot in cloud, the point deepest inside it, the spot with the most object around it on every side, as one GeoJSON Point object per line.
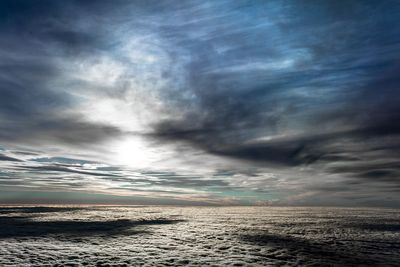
{"type": "Point", "coordinates": [133, 152]}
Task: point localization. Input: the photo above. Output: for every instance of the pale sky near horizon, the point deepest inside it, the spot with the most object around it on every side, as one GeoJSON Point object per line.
{"type": "Point", "coordinates": [200, 102]}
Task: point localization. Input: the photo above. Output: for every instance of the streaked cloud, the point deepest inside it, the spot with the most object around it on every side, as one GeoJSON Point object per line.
{"type": "Point", "coordinates": [222, 102]}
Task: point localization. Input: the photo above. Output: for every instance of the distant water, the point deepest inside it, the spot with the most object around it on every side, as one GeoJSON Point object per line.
{"type": "Point", "coordinates": [198, 236]}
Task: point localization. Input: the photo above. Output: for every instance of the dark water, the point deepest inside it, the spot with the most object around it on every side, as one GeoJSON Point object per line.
{"type": "Point", "coordinates": [198, 236]}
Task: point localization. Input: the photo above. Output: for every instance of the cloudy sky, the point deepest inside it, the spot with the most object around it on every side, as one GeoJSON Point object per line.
{"type": "Point", "coordinates": [200, 102]}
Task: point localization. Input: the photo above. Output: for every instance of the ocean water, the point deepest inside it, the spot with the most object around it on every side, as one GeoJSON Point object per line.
{"type": "Point", "coordinates": [198, 236]}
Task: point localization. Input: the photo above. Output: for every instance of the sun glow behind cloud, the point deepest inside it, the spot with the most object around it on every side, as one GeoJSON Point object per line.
{"type": "Point", "coordinates": [134, 152]}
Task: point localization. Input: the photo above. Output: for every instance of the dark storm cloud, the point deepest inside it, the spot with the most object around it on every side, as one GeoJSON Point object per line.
{"type": "Point", "coordinates": [7, 158]}
{"type": "Point", "coordinates": [34, 36]}
{"type": "Point", "coordinates": [327, 71]}
{"type": "Point", "coordinates": [70, 130]}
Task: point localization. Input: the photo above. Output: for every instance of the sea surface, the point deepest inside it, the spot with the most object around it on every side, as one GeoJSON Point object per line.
{"type": "Point", "coordinates": [198, 236]}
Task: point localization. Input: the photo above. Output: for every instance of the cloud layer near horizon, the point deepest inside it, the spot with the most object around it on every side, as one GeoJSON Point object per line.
{"type": "Point", "coordinates": [231, 102]}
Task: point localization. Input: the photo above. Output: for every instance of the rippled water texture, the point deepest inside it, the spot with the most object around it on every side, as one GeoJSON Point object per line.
{"type": "Point", "coordinates": [198, 236]}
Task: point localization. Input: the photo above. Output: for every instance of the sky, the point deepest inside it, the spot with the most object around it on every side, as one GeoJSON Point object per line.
{"type": "Point", "coordinates": [200, 102]}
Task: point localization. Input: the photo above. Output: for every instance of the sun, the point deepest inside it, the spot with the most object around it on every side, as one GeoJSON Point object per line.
{"type": "Point", "coordinates": [134, 152]}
